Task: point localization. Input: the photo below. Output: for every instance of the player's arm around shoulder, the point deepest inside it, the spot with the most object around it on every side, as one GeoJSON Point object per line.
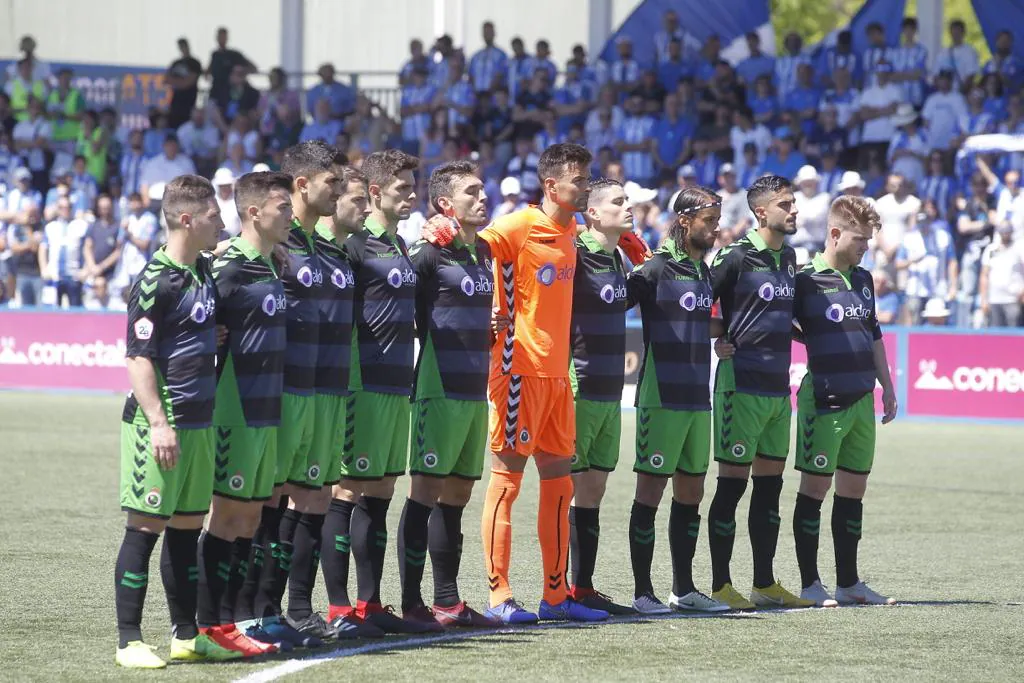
{"type": "Point", "coordinates": [725, 269]}
{"type": "Point", "coordinates": [506, 235]}
{"type": "Point", "coordinates": [642, 281]}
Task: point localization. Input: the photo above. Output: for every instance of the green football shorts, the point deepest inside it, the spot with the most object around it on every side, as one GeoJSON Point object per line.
{"type": "Point", "coordinates": [245, 462]}
{"type": "Point", "coordinates": [324, 455]}
{"type": "Point", "coordinates": [598, 429]}
{"type": "Point", "coordinates": [379, 438]}
{"type": "Point", "coordinates": [449, 438]}
{"type": "Point", "coordinates": [670, 441]}
{"type": "Point", "coordinates": [749, 425]}
{"type": "Point", "coordinates": [843, 439]}
{"type": "Point", "coordinates": [146, 489]}
{"type": "Point", "coordinates": [294, 436]}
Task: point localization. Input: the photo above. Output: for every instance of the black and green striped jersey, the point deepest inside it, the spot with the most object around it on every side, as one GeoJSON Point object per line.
{"type": "Point", "coordinates": [303, 277]}
{"type": "Point", "coordinates": [836, 312]}
{"type": "Point", "coordinates": [600, 300]}
{"type": "Point", "coordinates": [384, 310]}
{"type": "Point", "coordinates": [171, 321]}
{"type": "Point", "coordinates": [251, 304]}
{"type": "Point", "coordinates": [674, 294]}
{"type": "Point", "coordinates": [454, 293]}
{"type": "Point", "coordinates": [336, 295]}
{"type": "Point", "coordinates": [755, 286]}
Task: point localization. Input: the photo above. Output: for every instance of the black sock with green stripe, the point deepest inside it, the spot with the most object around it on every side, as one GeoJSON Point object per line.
{"type": "Point", "coordinates": [253, 598]}
{"type": "Point", "coordinates": [444, 540]}
{"type": "Point", "coordinates": [369, 545]}
{"type": "Point", "coordinates": [683, 530]}
{"type": "Point", "coordinates": [763, 525]}
{"type": "Point", "coordinates": [275, 578]}
{"type": "Point", "coordinates": [305, 564]}
{"type": "Point", "coordinates": [214, 573]}
{"type": "Point", "coordinates": [847, 519]}
{"type": "Point", "coordinates": [722, 527]}
{"type": "Point", "coordinates": [584, 531]}
{"type": "Point", "coordinates": [641, 546]}
{"type": "Point", "coordinates": [179, 572]}
{"type": "Point", "coordinates": [806, 528]}
{"type": "Point", "coordinates": [131, 577]}
{"type": "Point", "coordinates": [241, 550]}
{"type": "Point", "coordinates": [412, 551]}
{"type": "Point", "coordinates": [334, 555]}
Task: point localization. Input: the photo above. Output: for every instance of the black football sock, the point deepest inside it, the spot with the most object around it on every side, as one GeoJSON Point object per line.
{"type": "Point", "coordinates": [305, 565]}
{"type": "Point", "coordinates": [806, 527]}
{"type": "Point", "coordinates": [179, 572]}
{"type": "Point", "coordinates": [763, 526]}
{"type": "Point", "coordinates": [683, 530]}
{"type": "Point", "coordinates": [241, 549]}
{"type": "Point", "coordinates": [412, 551]}
{"type": "Point", "coordinates": [722, 527]}
{"type": "Point", "coordinates": [259, 556]}
{"type": "Point", "coordinates": [277, 566]}
{"type": "Point", "coordinates": [334, 555]}
{"type": "Point", "coordinates": [847, 519]}
{"type": "Point", "coordinates": [584, 532]}
{"type": "Point", "coordinates": [444, 540]}
{"type": "Point", "coordinates": [369, 545]}
{"type": "Point", "coordinates": [131, 576]}
{"type": "Point", "coordinates": [641, 546]}
{"type": "Point", "coordinates": [214, 573]}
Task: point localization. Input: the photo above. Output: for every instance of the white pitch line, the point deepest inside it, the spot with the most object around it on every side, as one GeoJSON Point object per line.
{"type": "Point", "coordinates": [296, 665]}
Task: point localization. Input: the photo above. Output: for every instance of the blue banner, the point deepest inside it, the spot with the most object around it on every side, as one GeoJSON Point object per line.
{"type": "Point", "coordinates": [1002, 15]}
{"type": "Point", "coordinates": [131, 90]}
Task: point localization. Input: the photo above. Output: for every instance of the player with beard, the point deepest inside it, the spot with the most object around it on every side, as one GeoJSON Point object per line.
{"type": "Point", "coordinates": [673, 429]}
{"type": "Point", "coordinates": [835, 308]}
{"type": "Point", "coordinates": [753, 280]}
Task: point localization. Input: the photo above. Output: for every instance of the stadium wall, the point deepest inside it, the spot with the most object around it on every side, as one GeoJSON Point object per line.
{"type": "Point", "coordinates": [944, 374]}
{"type": "Point", "coordinates": [357, 35]}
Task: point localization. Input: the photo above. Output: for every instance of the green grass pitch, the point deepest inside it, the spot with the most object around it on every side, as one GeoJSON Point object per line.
{"type": "Point", "coordinates": [943, 534]}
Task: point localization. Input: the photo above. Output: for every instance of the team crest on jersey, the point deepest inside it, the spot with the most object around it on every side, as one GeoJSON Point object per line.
{"type": "Point", "coordinates": [524, 436]}
{"type": "Point", "coordinates": [820, 460]}
{"type": "Point", "coordinates": [468, 286]}
{"type": "Point", "coordinates": [144, 329]}
{"type": "Point", "coordinates": [236, 482]}
{"type": "Point", "coordinates": [791, 270]}
{"type": "Point", "coordinates": [313, 472]}
{"type": "Point", "coordinates": [766, 291]}
{"type": "Point", "coordinates": [546, 274]}
{"type": "Point", "coordinates": [574, 460]}
{"type": "Point", "coordinates": [153, 498]}
{"type": "Point", "coordinates": [308, 277]}
{"type": "Point", "coordinates": [866, 292]}
{"type": "Point", "coordinates": [362, 463]}
{"type": "Point", "coordinates": [202, 310]}
{"type": "Point", "coordinates": [339, 279]}
{"type": "Point", "coordinates": [739, 449]}
{"type": "Point", "coordinates": [430, 460]}
{"type": "Point", "coordinates": [657, 461]}
{"type": "Point", "coordinates": [835, 313]}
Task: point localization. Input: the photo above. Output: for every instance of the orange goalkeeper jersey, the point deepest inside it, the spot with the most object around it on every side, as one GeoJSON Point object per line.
{"type": "Point", "coordinates": [534, 263]}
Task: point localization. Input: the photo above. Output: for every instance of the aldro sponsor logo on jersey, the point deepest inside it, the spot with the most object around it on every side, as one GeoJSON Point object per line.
{"type": "Point", "coordinates": [769, 292]}
{"type": "Point", "coordinates": [272, 304]}
{"type": "Point", "coordinates": [482, 286]}
{"type": "Point", "coordinates": [201, 310]}
{"type": "Point", "coordinates": [309, 277]}
{"type": "Point", "coordinates": [341, 279]}
{"type": "Point", "coordinates": [612, 293]}
{"type": "Point", "coordinates": [548, 274]}
{"type": "Point", "coordinates": [837, 313]}
{"type": "Point", "coordinates": [401, 276]}
{"type": "Point", "coordinates": [692, 301]}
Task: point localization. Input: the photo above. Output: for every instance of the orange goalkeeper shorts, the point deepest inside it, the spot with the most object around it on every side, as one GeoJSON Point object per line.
{"type": "Point", "coordinates": [531, 414]}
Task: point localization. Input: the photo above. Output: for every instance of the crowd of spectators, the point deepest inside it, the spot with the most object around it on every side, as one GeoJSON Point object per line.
{"type": "Point", "coordinates": [81, 192]}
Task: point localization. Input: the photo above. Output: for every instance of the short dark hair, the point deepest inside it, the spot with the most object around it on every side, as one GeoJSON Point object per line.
{"type": "Point", "coordinates": [381, 167]}
{"type": "Point", "coordinates": [764, 187]}
{"type": "Point", "coordinates": [557, 157]}
{"type": "Point", "coordinates": [875, 26]}
{"type": "Point", "coordinates": [185, 194]}
{"type": "Point", "coordinates": [442, 179]}
{"type": "Point", "coordinates": [351, 174]}
{"type": "Point", "coordinates": [310, 158]}
{"type": "Point", "coordinates": [253, 188]}
{"type": "Point", "coordinates": [600, 186]}
{"type": "Point", "coordinates": [958, 23]}
{"type": "Point", "coordinates": [908, 21]}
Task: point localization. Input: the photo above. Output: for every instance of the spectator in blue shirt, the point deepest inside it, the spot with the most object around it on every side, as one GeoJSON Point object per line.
{"type": "Point", "coordinates": [487, 66]}
{"type": "Point", "coordinates": [829, 171]}
{"type": "Point", "coordinates": [132, 160]}
{"type": "Point", "coordinates": [938, 186]}
{"type": "Point", "coordinates": [672, 135]}
{"type": "Point", "coordinates": [751, 169]}
{"type": "Point", "coordinates": [154, 136]}
{"type": "Point", "coordinates": [532, 106]}
{"type": "Point", "coordinates": [516, 66]}
{"type": "Point", "coordinates": [763, 103]}
{"type": "Point", "coordinates": [710, 55]}
{"type": "Point", "coordinates": [496, 124]}
{"type": "Point", "coordinates": [804, 99]}
{"type": "Point", "coordinates": [787, 63]}
{"type": "Point", "coordinates": [825, 136]}
{"type": "Point", "coordinates": [674, 68]}
{"type": "Point", "coordinates": [322, 127]}
{"type": "Point", "coordinates": [995, 98]}
{"type": "Point", "coordinates": [887, 300]}
{"type": "Point", "coordinates": [877, 51]}
{"type": "Point", "coordinates": [624, 71]}
{"type": "Point", "coordinates": [756, 64]}
{"type": "Point", "coordinates": [541, 60]}
{"type": "Point", "coordinates": [841, 56]}
{"type": "Point", "coordinates": [416, 59]}
{"type": "Point", "coordinates": [635, 142]}
{"type": "Point", "coordinates": [784, 160]}
{"type": "Point", "coordinates": [459, 97]}
{"type": "Point", "coordinates": [573, 100]}
{"type": "Point", "coordinates": [1003, 61]}
{"type": "Point", "coordinates": [440, 59]}
{"type": "Point", "coordinates": [342, 99]}
{"type": "Point", "coordinates": [911, 61]}
{"type": "Point", "coordinates": [83, 185]}
{"type": "Point", "coordinates": [579, 61]}
{"type": "Point", "coordinates": [651, 93]}
{"type": "Point", "coordinates": [417, 103]}
{"type": "Point", "coordinates": [704, 164]}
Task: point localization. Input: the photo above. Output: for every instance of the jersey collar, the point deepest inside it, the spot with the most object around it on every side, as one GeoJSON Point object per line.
{"type": "Point", "coordinates": [297, 228]}
{"type": "Point", "coordinates": [324, 231]}
{"type": "Point", "coordinates": [822, 266]}
{"type": "Point", "coordinates": [163, 257]}
{"type": "Point", "coordinates": [670, 248]}
{"type": "Point", "coordinates": [377, 230]}
{"type": "Point", "coordinates": [591, 243]}
{"type": "Point", "coordinates": [758, 241]}
{"type": "Point", "coordinates": [250, 252]}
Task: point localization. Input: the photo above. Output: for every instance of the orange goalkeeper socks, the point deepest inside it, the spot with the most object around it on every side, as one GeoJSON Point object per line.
{"type": "Point", "coordinates": [553, 531]}
{"type": "Point", "coordinates": [496, 528]}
